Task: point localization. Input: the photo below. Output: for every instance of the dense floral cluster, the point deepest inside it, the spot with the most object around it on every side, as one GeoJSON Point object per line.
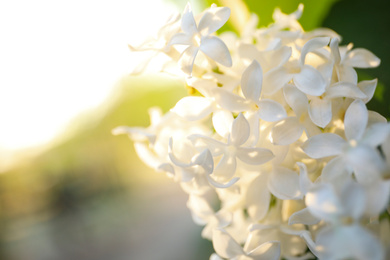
{"type": "Point", "coordinates": [275, 146]}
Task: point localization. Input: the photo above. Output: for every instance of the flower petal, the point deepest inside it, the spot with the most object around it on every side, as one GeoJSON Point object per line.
{"type": "Point", "coordinates": [377, 198]}
{"type": "Point", "coordinates": [284, 184]}
{"type": "Point", "coordinates": [303, 217]}
{"type": "Point", "coordinates": [270, 110]}
{"type": "Point", "coordinates": [323, 203]}
{"type": "Point", "coordinates": [345, 89]}
{"type": "Point", "coordinates": [335, 169]}
{"type": "Point", "coordinates": [240, 130]}
{"type": "Point", "coordinates": [205, 160]}
{"type": "Point", "coordinates": [310, 81]}
{"type": "Point", "coordinates": [287, 131]}
{"type": "Point", "coordinates": [367, 163]}
{"type": "Point", "coordinates": [188, 24]}
{"type": "Point", "coordinates": [355, 120]}
{"type": "Point", "coordinates": [213, 19]}
{"type": "Point", "coordinates": [193, 108]}
{"type": "Point", "coordinates": [254, 155]}
{"type": "Point", "coordinates": [226, 167]}
{"type": "Point", "coordinates": [349, 242]}
{"type": "Point", "coordinates": [266, 251]}
{"type": "Point", "coordinates": [204, 142]}
{"type": "Point", "coordinates": [181, 38]}
{"type": "Point", "coordinates": [251, 81]}
{"type": "Point", "coordinates": [216, 49]}
{"type": "Point", "coordinates": [320, 111]}
{"type": "Point", "coordinates": [313, 44]}
{"type": "Point", "coordinates": [187, 59]}
{"type": "Point", "coordinates": [219, 185]}
{"type": "Point", "coordinates": [323, 145]}
{"type": "Point", "coordinates": [258, 198]}
{"type": "Point", "coordinates": [229, 101]}
{"type": "Point", "coordinates": [376, 134]}
{"type": "Point", "coordinates": [225, 246]}
{"type": "Point", "coordinates": [334, 50]}
{"type": "Point", "coordinates": [368, 87]}
{"type": "Point", "coordinates": [222, 122]}
{"type": "Point", "coordinates": [275, 79]}
{"type": "Point", "coordinates": [361, 58]}
{"type": "Point", "coordinates": [296, 99]}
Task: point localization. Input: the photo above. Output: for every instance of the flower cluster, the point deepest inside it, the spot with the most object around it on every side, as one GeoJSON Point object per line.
{"type": "Point", "coordinates": [274, 145]}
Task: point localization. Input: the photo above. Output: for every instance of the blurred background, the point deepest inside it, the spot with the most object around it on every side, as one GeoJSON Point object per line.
{"type": "Point", "coordinates": [71, 190]}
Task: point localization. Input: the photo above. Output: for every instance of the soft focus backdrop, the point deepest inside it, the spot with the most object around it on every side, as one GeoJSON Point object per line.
{"type": "Point", "coordinates": [68, 188]}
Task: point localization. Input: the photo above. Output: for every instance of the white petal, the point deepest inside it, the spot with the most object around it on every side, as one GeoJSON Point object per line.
{"type": "Point", "coordinates": [147, 156]}
{"type": "Point", "coordinates": [320, 111]}
{"type": "Point", "coordinates": [287, 131]}
{"type": "Point", "coordinates": [204, 142]}
{"type": "Point", "coordinates": [222, 122]}
{"type": "Point", "coordinates": [353, 198]}
{"type": "Point", "coordinates": [173, 158]}
{"type": "Point", "coordinates": [367, 163]}
{"type": "Point", "coordinates": [368, 87]}
{"type": "Point", "coordinates": [376, 134]}
{"type": "Point", "coordinates": [240, 130]}
{"type": "Point", "coordinates": [361, 58]}
{"type": "Point", "coordinates": [305, 183]}
{"type": "Point", "coordinates": [193, 108]}
{"type": "Point", "coordinates": [310, 81]}
{"type": "Point", "coordinates": [188, 24]}
{"type": "Point", "coordinates": [225, 245]}
{"type": "Point", "coordinates": [349, 242]}
{"type": "Point", "coordinates": [215, 257]}
{"type": "Point", "coordinates": [323, 203]}
{"type": "Point", "coordinates": [213, 19]}
{"type": "Point", "coordinates": [335, 52]}
{"type": "Point", "coordinates": [181, 38]}
{"type": "Point", "coordinates": [345, 89]}
{"type": "Point", "coordinates": [226, 167]}
{"type": "Point", "coordinates": [296, 99]}
{"type": "Point", "coordinates": [312, 45]}
{"type": "Point", "coordinates": [323, 145]}
{"type": "Point", "coordinates": [216, 49]}
{"type": "Point", "coordinates": [347, 74]}
{"type": "Point", "coordinates": [275, 79]}
{"type": "Point", "coordinates": [270, 110]}
{"type": "Point", "coordinates": [254, 155]}
{"type": "Point", "coordinates": [205, 160]}
{"type": "Point", "coordinates": [266, 251]}
{"type": "Point", "coordinates": [187, 59]}
{"type": "Point", "coordinates": [258, 199]}
{"type": "Point", "coordinates": [355, 120]}
{"type": "Point", "coordinates": [221, 185]}
{"type": "Point", "coordinates": [377, 198]}
{"type": "Point", "coordinates": [303, 217]}
{"type": "Point", "coordinates": [229, 101]}
{"type": "Point", "coordinates": [335, 169]}
{"type": "Point", "coordinates": [251, 81]}
{"type": "Point", "coordinates": [284, 184]}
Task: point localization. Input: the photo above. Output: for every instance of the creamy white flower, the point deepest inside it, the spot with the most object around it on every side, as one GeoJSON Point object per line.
{"type": "Point", "coordinates": [358, 153]}
{"type": "Point", "coordinates": [199, 38]}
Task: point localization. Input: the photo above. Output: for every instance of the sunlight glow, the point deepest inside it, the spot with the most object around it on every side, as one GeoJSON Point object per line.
{"type": "Point", "coordinates": [62, 57]}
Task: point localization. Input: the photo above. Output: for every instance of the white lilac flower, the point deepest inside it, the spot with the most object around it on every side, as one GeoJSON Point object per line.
{"type": "Point", "coordinates": [234, 149]}
{"type": "Point", "coordinates": [198, 37]}
{"type": "Point", "coordinates": [276, 132]}
{"type": "Point", "coordinates": [358, 152]}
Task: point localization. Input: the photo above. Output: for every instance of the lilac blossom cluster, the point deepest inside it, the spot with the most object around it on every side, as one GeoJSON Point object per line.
{"type": "Point", "coordinates": [274, 145]}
